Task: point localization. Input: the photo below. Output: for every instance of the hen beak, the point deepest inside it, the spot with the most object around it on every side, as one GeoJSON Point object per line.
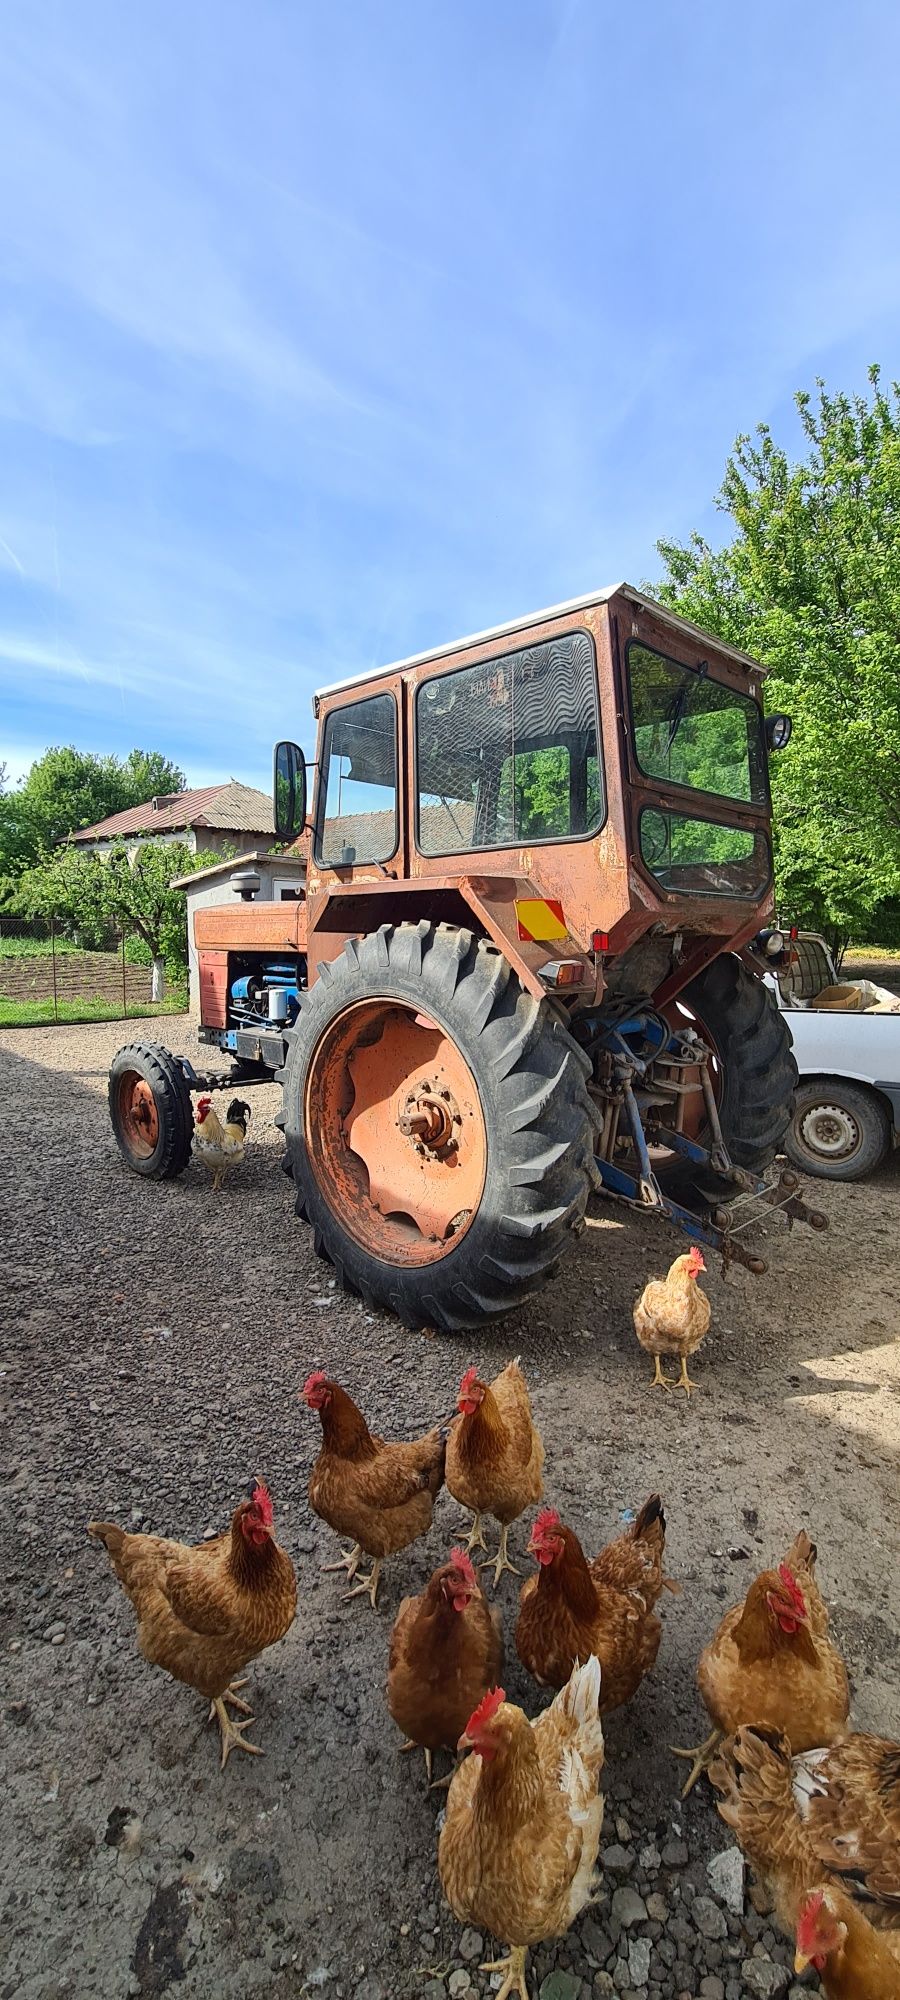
{"type": "Point", "coordinates": [465, 1742]}
{"type": "Point", "coordinates": [801, 1962]}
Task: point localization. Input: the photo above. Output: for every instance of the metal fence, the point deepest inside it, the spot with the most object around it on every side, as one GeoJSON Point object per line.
{"type": "Point", "coordinates": [44, 969]}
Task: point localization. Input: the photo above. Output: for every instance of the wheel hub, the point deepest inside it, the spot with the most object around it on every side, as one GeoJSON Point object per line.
{"type": "Point", "coordinates": [427, 1117]}
{"type": "Point", "coordinates": [830, 1131]}
{"type": "Point", "coordinates": [139, 1118]}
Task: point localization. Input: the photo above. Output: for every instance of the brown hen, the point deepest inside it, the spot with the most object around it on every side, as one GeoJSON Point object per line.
{"type": "Point", "coordinates": [853, 1961]}
{"type": "Point", "coordinates": [495, 1456]}
{"type": "Point", "coordinates": [573, 1608]}
{"type": "Point", "coordinates": [203, 1613]}
{"type": "Point", "coordinates": [672, 1317]}
{"type": "Point", "coordinates": [380, 1494]}
{"type": "Point", "coordinates": [772, 1664]}
{"type": "Point", "coordinates": [446, 1651]}
{"type": "Point", "coordinates": [829, 1815]}
{"type": "Point", "coordinates": [517, 1850]}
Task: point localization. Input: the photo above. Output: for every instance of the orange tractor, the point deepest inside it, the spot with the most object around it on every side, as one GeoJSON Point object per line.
{"type": "Point", "coordinates": [535, 860]}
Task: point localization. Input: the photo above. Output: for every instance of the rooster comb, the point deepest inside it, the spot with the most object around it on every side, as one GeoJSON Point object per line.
{"type": "Point", "coordinates": [547, 1522]}
{"type": "Point", "coordinates": [792, 1588]}
{"type": "Point", "coordinates": [259, 1493]}
{"type": "Point", "coordinates": [314, 1381]}
{"type": "Point", "coordinates": [485, 1712]}
{"type": "Point", "coordinates": [464, 1565]}
{"type": "Point", "coordinates": [468, 1381]}
{"type": "Point", "coordinates": [808, 1918]}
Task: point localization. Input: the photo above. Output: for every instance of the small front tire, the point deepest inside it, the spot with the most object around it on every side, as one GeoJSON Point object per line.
{"type": "Point", "coordinates": [150, 1110]}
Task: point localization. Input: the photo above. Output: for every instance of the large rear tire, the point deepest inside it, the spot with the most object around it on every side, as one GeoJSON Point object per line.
{"type": "Point", "coordinates": [757, 1074]}
{"type": "Point", "coordinates": [151, 1111]}
{"type": "Point", "coordinates": [439, 1130]}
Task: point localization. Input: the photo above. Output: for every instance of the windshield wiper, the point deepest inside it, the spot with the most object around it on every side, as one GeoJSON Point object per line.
{"type": "Point", "coordinates": [675, 713]}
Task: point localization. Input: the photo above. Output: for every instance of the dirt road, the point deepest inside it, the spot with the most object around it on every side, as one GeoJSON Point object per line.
{"type": "Point", "coordinates": [154, 1340]}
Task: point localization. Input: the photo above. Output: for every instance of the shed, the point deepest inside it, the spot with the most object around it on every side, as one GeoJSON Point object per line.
{"type": "Point", "coordinates": [281, 877]}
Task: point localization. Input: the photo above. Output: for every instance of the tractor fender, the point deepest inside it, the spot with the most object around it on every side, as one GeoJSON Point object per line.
{"type": "Point", "coordinates": [529, 929]}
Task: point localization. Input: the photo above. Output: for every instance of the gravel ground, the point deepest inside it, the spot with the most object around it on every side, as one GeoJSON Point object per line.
{"type": "Point", "coordinates": [153, 1346]}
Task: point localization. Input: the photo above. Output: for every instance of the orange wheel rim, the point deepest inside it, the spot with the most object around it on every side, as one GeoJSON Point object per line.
{"type": "Point", "coordinates": [138, 1116]}
{"type": "Point", "coordinates": [395, 1132]}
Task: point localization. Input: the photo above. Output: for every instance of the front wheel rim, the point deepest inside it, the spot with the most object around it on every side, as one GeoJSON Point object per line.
{"type": "Point", "coordinates": [830, 1132]}
{"type": "Point", "coordinates": [137, 1115]}
{"type": "Point", "coordinates": [396, 1133]}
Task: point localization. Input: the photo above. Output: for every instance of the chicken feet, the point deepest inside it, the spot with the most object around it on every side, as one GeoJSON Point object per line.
{"type": "Point", "coordinates": [661, 1381]}
{"type": "Point", "coordinates": [699, 1758]}
{"type": "Point", "coordinates": [437, 1784]}
{"type": "Point", "coordinates": [233, 1737]}
{"type": "Point", "coordinates": [367, 1585]}
{"type": "Point", "coordinates": [501, 1562]}
{"type": "Point", "coordinates": [349, 1560]}
{"type": "Point", "coordinates": [476, 1537]}
{"type": "Point", "coordinates": [231, 1694]}
{"type": "Point", "coordinates": [685, 1381]}
{"type": "Point", "coordinates": [514, 1967]}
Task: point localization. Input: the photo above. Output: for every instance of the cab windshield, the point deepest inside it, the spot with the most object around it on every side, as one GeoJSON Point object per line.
{"type": "Point", "coordinates": [693, 731]}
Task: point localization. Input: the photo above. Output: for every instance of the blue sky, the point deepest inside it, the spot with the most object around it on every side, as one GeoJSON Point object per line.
{"type": "Point", "coordinates": [331, 332]}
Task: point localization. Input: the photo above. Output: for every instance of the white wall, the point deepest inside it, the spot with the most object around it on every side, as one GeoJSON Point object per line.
{"type": "Point", "coordinates": [276, 873]}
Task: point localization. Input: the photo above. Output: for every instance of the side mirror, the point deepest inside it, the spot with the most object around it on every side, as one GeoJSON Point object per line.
{"type": "Point", "coordinates": [289, 791]}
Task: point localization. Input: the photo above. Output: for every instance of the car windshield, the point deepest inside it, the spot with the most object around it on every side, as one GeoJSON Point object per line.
{"type": "Point", "coordinates": [693, 731]}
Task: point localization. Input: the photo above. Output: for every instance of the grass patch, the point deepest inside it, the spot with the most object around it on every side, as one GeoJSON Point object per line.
{"type": "Point", "coordinates": [869, 954]}
{"type": "Point", "coordinates": [39, 1013]}
{"type": "Point", "coordinates": [25, 947]}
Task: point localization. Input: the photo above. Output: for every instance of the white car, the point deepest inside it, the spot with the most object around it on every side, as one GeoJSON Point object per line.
{"type": "Point", "coordinates": [847, 1106]}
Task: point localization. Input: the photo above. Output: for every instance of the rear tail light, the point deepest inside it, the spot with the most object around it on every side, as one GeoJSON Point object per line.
{"type": "Point", "coordinates": [565, 972]}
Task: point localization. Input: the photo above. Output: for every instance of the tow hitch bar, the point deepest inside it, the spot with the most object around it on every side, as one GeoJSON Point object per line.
{"type": "Point", "coordinates": [635, 1096]}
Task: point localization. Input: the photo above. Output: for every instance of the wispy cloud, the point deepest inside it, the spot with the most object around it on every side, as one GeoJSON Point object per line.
{"type": "Point", "coordinates": [326, 335]}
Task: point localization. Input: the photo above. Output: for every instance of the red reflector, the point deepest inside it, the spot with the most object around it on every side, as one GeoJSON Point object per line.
{"type": "Point", "coordinates": [795, 932]}
{"type": "Point", "coordinates": [599, 940]}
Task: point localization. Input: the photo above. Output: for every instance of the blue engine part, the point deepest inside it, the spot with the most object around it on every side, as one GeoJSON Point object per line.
{"type": "Point", "coordinates": [267, 996]}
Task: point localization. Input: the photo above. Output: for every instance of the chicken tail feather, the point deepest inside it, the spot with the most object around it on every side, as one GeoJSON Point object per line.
{"type": "Point", "coordinates": [650, 1513]}
{"type": "Point", "coordinates": [580, 1698]}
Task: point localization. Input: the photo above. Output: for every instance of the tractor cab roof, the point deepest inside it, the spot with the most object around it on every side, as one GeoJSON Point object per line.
{"type": "Point", "coordinates": [640, 598]}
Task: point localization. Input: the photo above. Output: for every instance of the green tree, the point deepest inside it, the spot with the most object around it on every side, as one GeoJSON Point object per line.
{"type": "Point", "coordinates": [810, 585]}
{"type": "Point", "coordinates": [126, 894]}
{"type": "Point", "coordinates": [67, 789]}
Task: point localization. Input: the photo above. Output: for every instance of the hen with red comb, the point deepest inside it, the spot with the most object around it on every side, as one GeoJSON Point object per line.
{"type": "Point", "coordinates": [772, 1663]}
{"type": "Point", "coordinates": [519, 1843]}
{"type": "Point", "coordinates": [672, 1317]}
{"type": "Point", "coordinates": [204, 1613]}
{"type": "Point", "coordinates": [381, 1495]}
{"type": "Point", "coordinates": [446, 1650]}
{"type": "Point", "coordinates": [494, 1456]}
{"type": "Point", "coordinates": [854, 1961]}
{"type": "Point", "coordinates": [574, 1607]}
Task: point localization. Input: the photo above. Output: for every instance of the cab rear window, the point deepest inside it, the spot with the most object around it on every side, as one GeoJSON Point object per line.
{"type": "Point", "coordinates": [507, 751]}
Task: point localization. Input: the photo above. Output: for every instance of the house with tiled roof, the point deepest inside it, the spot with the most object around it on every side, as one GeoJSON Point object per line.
{"type": "Point", "coordinates": [218, 819]}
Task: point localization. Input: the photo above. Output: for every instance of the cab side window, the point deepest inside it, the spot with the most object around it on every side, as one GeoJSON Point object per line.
{"type": "Point", "coordinates": [357, 816]}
